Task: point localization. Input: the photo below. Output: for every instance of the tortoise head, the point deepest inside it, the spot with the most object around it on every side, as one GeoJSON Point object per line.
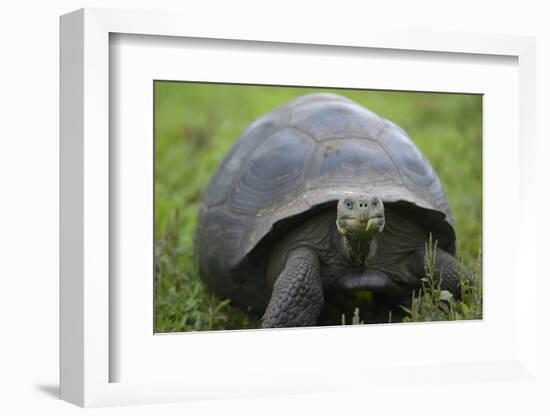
{"type": "Point", "coordinates": [359, 220]}
{"type": "Point", "coordinates": [360, 217]}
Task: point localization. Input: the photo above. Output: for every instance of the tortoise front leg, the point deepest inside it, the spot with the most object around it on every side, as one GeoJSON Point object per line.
{"type": "Point", "coordinates": [449, 270]}
{"type": "Point", "coordinates": [297, 296]}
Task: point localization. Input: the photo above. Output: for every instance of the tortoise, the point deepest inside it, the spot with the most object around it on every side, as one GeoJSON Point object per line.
{"type": "Point", "coordinates": [318, 196]}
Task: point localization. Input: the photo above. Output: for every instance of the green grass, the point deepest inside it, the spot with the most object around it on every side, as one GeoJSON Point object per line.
{"type": "Point", "coordinates": [431, 303]}
{"type": "Point", "coordinates": [196, 124]}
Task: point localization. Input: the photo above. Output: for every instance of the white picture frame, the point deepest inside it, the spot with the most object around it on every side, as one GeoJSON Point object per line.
{"type": "Point", "coordinates": [87, 261]}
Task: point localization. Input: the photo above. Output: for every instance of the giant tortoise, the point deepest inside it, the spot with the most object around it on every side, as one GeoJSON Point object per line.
{"type": "Point", "coordinates": [322, 195]}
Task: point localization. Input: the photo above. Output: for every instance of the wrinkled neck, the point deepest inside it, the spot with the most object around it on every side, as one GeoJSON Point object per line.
{"type": "Point", "coordinates": [358, 250]}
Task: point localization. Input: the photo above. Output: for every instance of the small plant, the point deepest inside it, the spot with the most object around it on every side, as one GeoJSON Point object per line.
{"type": "Point", "coordinates": [431, 303]}
{"type": "Point", "coordinates": [355, 319]}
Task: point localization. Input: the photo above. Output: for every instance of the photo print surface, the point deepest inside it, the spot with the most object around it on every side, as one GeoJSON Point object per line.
{"type": "Point", "coordinates": [298, 207]}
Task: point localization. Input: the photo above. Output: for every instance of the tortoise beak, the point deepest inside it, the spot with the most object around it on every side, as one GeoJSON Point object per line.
{"type": "Point", "coordinates": [369, 223]}
{"type": "Point", "coordinates": [377, 220]}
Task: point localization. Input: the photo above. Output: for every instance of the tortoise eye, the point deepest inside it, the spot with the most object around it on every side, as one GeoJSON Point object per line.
{"type": "Point", "coordinates": [348, 203]}
{"type": "Point", "coordinates": [375, 203]}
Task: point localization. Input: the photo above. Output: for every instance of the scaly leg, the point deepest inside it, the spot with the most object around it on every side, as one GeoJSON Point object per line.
{"type": "Point", "coordinates": [297, 296]}
{"type": "Point", "coordinates": [450, 270]}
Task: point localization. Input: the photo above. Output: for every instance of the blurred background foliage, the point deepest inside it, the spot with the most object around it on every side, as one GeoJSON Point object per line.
{"type": "Point", "coordinates": [196, 124]}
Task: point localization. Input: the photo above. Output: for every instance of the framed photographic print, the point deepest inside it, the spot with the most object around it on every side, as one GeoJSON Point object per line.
{"type": "Point", "coordinates": [232, 204]}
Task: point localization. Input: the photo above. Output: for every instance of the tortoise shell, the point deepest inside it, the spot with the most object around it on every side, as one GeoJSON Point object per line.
{"type": "Point", "coordinates": [310, 152]}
